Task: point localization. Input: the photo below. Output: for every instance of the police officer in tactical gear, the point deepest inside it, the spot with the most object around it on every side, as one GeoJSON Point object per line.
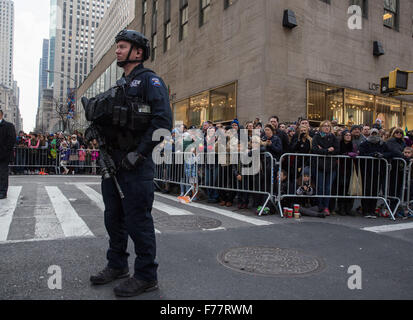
{"type": "Point", "coordinates": [127, 116]}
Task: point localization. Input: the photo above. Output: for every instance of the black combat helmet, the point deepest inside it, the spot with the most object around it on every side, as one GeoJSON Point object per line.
{"type": "Point", "coordinates": [138, 40]}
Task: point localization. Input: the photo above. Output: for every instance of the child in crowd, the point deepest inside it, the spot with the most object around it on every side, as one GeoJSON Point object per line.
{"type": "Point", "coordinates": [408, 153]}
{"type": "Point", "coordinates": [64, 156]}
{"type": "Point", "coordinates": [82, 158]}
{"type": "Point", "coordinates": [191, 176]}
{"type": "Point", "coordinates": [282, 178]}
{"type": "Point", "coordinates": [305, 188]}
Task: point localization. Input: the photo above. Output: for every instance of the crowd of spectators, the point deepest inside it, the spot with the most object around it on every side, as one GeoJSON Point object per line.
{"type": "Point", "coordinates": [70, 154]}
{"type": "Point", "coordinates": [57, 153]}
{"type": "Point", "coordinates": [278, 138]}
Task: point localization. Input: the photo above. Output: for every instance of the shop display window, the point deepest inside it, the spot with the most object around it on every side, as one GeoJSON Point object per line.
{"type": "Point", "coordinates": [216, 105]}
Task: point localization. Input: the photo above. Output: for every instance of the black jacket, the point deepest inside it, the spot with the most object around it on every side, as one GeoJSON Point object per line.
{"type": "Point", "coordinates": [284, 140]}
{"type": "Point", "coordinates": [394, 148]}
{"type": "Point", "coordinates": [276, 147]}
{"type": "Point", "coordinates": [369, 149]}
{"type": "Point", "coordinates": [321, 146]}
{"type": "Point", "coordinates": [7, 140]}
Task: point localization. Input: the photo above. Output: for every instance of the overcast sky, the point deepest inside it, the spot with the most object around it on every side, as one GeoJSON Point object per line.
{"type": "Point", "coordinates": [31, 27]}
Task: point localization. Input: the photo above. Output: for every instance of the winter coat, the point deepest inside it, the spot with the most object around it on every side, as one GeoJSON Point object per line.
{"type": "Point", "coordinates": [275, 148]}
{"type": "Point", "coordinates": [321, 146]}
{"type": "Point", "coordinates": [7, 140]}
{"type": "Point", "coordinates": [369, 149]}
{"type": "Point", "coordinates": [394, 148]}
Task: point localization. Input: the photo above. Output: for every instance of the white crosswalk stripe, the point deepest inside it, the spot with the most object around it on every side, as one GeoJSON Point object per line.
{"type": "Point", "coordinates": [71, 223]}
{"type": "Point", "coordinates": [7, 207]}
{"type": "Point", "coordinates": [226, 213]}
{"type": "Point", "coordinates": [390, 228]}
{"type": "Point", "coordinates": [95, 196]}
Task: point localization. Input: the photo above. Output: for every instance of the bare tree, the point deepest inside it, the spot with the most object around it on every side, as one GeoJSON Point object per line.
{"type": "Point", "coordinates": [62, 112]}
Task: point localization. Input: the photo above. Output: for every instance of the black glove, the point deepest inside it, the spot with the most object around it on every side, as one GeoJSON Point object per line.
{"type": "Point", "coordinates": [132, 160]}
{"type": "Point", "coordinates": [378, 155]}
{"type": "Point", "coordinates": [302, 136]}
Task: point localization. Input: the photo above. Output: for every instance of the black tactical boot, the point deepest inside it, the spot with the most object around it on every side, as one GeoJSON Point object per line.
{"type": "Point", "coordinates": [108, 275]}
{"type": "Point", "coordinates": [133, 287]}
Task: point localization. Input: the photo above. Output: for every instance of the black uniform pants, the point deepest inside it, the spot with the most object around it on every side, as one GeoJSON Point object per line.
{"type": "Point", "coordinates": [4, 177]}
{"type": "Point", "coordinates": [131, 217]}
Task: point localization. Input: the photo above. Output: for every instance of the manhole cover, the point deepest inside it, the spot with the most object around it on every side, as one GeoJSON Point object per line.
{"type": "Point", "coordinates": [269, 261]}
{"type": "Point", "coordinates": [186, 223]}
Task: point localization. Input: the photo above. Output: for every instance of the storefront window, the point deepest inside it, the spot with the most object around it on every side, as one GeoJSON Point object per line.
{"type": "Point", "coordinates": [359, 108]}
{"type": "Point", "coordinates": [325, 102]}
{"type": "Point", "coordinates": [223, 102]}
{"type": "Point", "coordinates": [217, 105]}
{"type": "Point", "coordinates": [350, 106]}
{"type": "Point", "coordinates": [198, 108]}
{"type": "Point", "coordinates": [389, 112]}
{"type": "Point", "coordinates": [408, 107]}
{"type": "Point", "coordinates": [180, 110]}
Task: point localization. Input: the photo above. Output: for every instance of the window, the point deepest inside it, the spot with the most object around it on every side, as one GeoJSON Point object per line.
{"type": "Point", "coordinates": [184, 17]}
{"type": "Point", "coordinates": [154, 28]}
{"type": "Point", "coordinates": [167, 42]}
{"type": "Point", "coordinates": [204, 11]}
{"type": "Point", "coordinates": [217, 105]}
{"type": "Point", "coordinates": [390, 16]}
{"type": "Point", "coordinates": [167, 26]}
{"type": "Point", "coordinates": [350, 106]}
{"type": "Point", "coordinates": [363, 4]}
{"type": "Point", "coordinates": [144, 11]}
{"type": "Point", "coordinates": [228, 3]}
{"type": "Point", "coordinates": [154, 46]}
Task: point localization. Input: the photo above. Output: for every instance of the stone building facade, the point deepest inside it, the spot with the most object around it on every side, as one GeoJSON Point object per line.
{"type": "Point", "coordinates": [233, 58]}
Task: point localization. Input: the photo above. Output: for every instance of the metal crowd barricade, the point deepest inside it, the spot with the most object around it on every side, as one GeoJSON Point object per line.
{"type": "Point", "coordinates": [409, 180]}
{"type": "Point", "coordinates": [230, 177]}
{"type": "Point", "coordinates": [30, 158]}
{"type": "Point", "coordinates": [79, 160]}
{"type": "Point", "coordinates": [398, 171]}
{"type": "Point", "coordinates": [331, 178]}
{"type": "Point", "coordinates": [27, 159]}
{"type": "Point", "coordinates": [209, 172]}
{"type": "Point", "coordinates": [170, 167]}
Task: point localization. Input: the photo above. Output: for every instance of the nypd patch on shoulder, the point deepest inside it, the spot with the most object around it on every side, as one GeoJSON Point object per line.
{"type": "Point", "coordinates": [156, 82]}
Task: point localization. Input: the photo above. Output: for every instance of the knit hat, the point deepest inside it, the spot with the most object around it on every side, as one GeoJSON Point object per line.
{"type": "Point", "coordinates": [374, 130]}
{"type": "Point", "coordinates": [344, 132]}
{"type": "Point", "coordinates": [235, 121]}
{"type": "Point", "coordinates": [306, 171]}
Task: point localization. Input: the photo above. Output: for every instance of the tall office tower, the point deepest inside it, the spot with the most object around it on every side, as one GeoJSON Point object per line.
{"type": "Point", "coordinates": [73, 24]}
{"type": "Point", "coordinates": [43, 66]}
{"type": "Point", "coordinates": [73, 36]}
{"type": "Point", "coordinates": [6, 42]}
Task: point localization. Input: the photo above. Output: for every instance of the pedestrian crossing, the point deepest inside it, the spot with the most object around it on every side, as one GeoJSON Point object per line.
{"type": "Point", "coordinates": [39, 212]}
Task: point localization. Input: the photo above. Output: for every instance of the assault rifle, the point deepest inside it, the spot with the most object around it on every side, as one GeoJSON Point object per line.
{"type": "Point", "coordinates": [105, 160]}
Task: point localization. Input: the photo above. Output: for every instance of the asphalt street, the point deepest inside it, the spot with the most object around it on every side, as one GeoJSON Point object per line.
{"type": "Point", "coordinates": [204, 252]}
